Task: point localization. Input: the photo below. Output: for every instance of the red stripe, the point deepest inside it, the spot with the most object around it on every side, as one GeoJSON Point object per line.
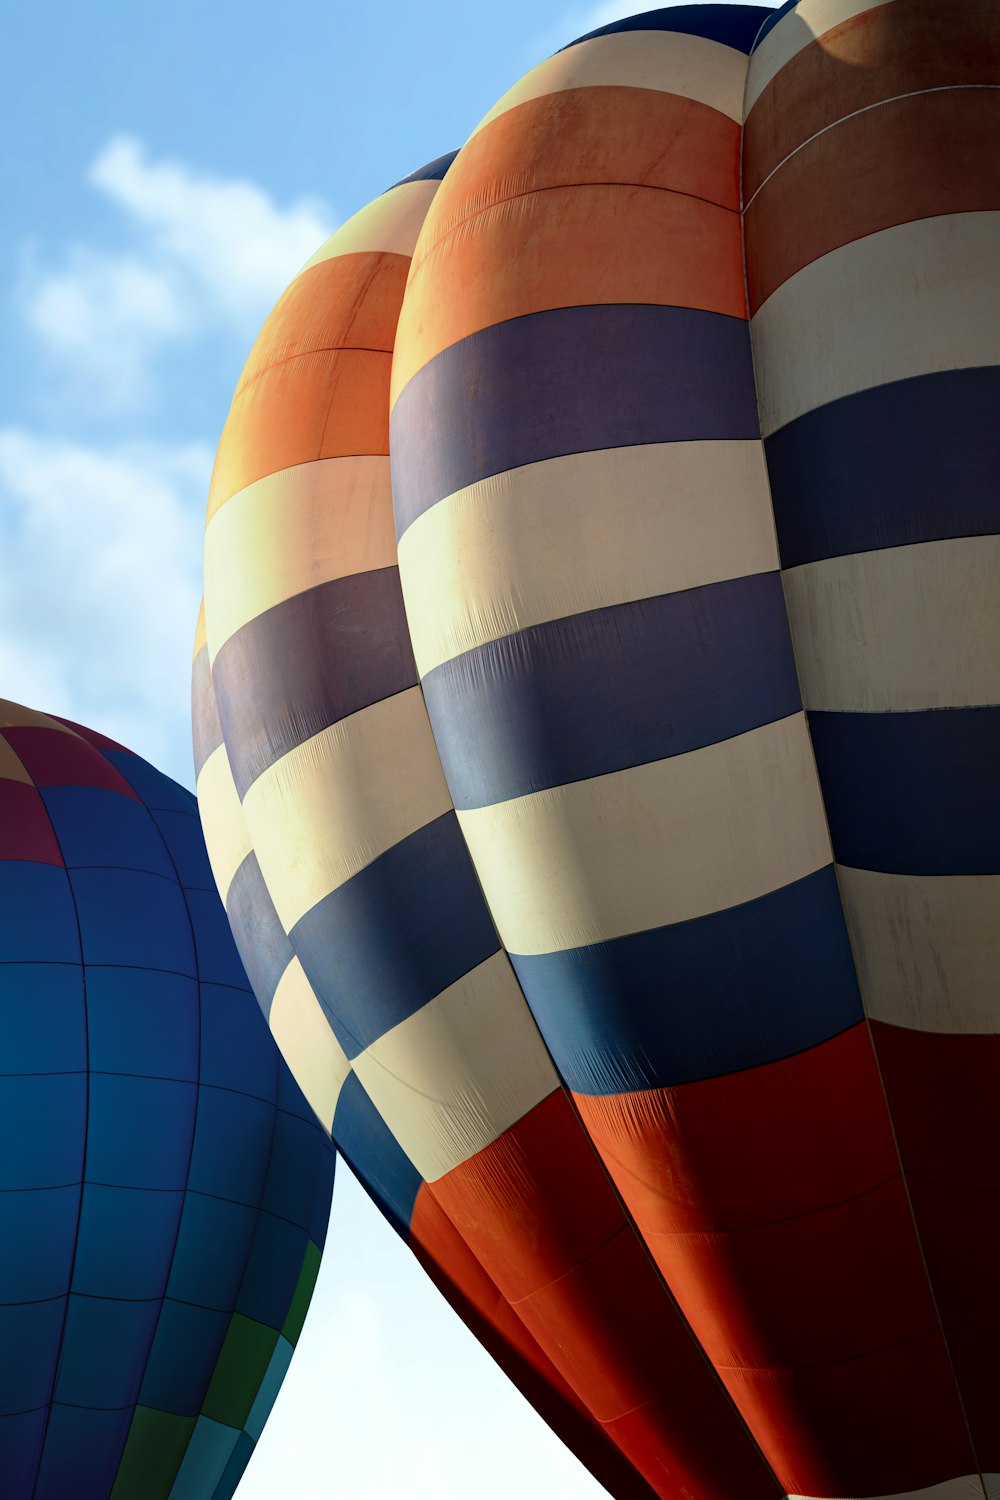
{"type": "Point", "coordinates": [540, 1215]}
{"type": "Point", "coordinates": [25, 830]}
{"type": "Point", "coordinates": [54, 758]}
{"type": "Point", "coordinates": [772, 1202]}
{"type": "Point", "coordinates": [915, 158]}
{"type": "Point", "coordinates": [887, 51]}
{"type": "Point", "coordinates": [943, 1093]}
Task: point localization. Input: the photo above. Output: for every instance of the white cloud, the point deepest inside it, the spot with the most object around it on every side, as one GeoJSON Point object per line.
{"type": "Point", "coordinates": [100, 586]}
{"type": "Point", "coordinates": [200, 254]}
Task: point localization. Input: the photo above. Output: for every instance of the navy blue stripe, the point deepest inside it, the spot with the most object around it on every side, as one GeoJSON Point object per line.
{"type": "Point", "coordinates": [914, 461]}
{"type": "Point", "coordinates": [616, 687]}
{"type": "Point", "coordinates": [733, 25]}
{"type": "Point", "coordinates": [434, 171]}
{"type": "Point", "coordinates": [308, 663]}
{"type": "Point", "coordinates": [912, 793]}
{"type": "Point", "coordinates": [395, 935]}
{"type": "Point", "coordinates": [374, 1155]}
{"type": "Point", "coordinates": [205, 727]}
{"type": "Point", "coordinates": [569, 380]}
{"type": "Point", "coordinates": [260, 938]}
{"type": "Point", "coordinates": [771, 20]}
{"type": "Point", "coordinates": [699, 999]}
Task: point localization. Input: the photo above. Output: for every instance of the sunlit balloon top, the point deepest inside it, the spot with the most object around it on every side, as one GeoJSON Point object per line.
{"type": "Point", "coordinates": [597, 726]}
{"type": "Point", "coordinates": [165, 1188]}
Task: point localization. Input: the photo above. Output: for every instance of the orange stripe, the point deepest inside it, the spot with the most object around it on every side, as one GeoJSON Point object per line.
{"type": "Point", "coordinates": [347, 302]}
{"type": "Point", "coordinates": [570, 247]}
{"type": "Point", "coordinates": [912, 159]}
{"type": "Point", "coordinates": [330, 404]}
{"type": "Point", "coordinates": [598, 134]}
{"type": "Point", "coordinates": [889, 50]}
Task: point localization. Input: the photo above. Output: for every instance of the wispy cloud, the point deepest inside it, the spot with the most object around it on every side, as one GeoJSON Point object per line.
{"type": "Point", "coordinates": [199, 255]}
{"type": "Point", "coordinates": [100, 585]}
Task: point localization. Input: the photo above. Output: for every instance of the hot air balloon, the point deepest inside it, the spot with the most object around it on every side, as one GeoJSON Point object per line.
{"type": "Point", "coordinates": [166, 1188]}
{"type": "Point", "coordinates": [626, 815]}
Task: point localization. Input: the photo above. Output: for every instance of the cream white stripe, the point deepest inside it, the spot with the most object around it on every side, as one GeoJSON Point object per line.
{"type": "Point", "coordinates": [335, 803]}
{"type": "Point", "coordinates": [582, 532]}
{"type": "Point", "coordinates": [652, 845]}
{"type": "Point", "coordinates": [905, 628]}
{"type": "Point", "coordinates": [927, 948]}
{"type": "Point", "coordinates": [222, 821]}
{"type": "Point", "coordinates": [910, 300]}
{"type": "Point", "coordinates": [291, 531]}
{"type": "Point", "coordinates": [389, 224]}
{"type": "Point", "coordinates": [459, 1072]}
{"type": "Point", "coordinates": [800, 27]}
{"type": "Point", "coordinates": [317, 1061]}
{"type": "Point", "coordinates": [670, 62]}
{"type": "Point", "coordinates": [968, 1487]}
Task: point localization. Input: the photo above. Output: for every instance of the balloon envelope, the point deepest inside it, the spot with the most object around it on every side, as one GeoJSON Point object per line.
{"type": "Point", "coordinates": [601, 703]}
{"type": "Point", "coordinates": [166, 1187]}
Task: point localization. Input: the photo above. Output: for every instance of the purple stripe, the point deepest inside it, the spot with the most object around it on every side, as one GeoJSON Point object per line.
{"type": "Point", "coordinates": [571, 380]}
{"type": "Point", "coordinates": [308, 663]}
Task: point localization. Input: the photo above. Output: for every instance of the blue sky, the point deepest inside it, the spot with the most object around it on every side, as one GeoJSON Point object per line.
{"type": "Point", "coordinates": [167, 170]}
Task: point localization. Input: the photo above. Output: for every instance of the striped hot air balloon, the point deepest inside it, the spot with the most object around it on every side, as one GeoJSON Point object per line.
{"type": "Point", "coordinates": [166, 1187]}
{"type": "Point", "coordinates": [607, 807]}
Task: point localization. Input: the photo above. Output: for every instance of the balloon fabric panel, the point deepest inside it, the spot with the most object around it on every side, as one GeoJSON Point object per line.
{"type": "Point", "coordinates": [168, 1183]}
{"type": "Point", "coordinates": [693, 449]}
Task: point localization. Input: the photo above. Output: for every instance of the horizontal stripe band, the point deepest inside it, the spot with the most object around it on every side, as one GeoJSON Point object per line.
{"type": "Point", "coordinates": [585, 531]}
{"type": "Point", "coordinates": [927, 948]}
{"type": "Point", "coordinates": [222, 820]}
{"type": "Point", "coordinates": [206, 731]}
{"type": "Point", "coordinates": [568, 381]}
{"type": "Point", "coordinates": [966, 1487]}
{"type": "Point", "coordinates": [907, 301]}
{"type": "Point", "coordinates": [787, 32]}
{"type": "Point", "coordinates": [733, 990]}
{"type": "Point", "coordinates": [431, 171]}
{"type": "Point", "coordinates": [260, 938]}
{"type": "Point", "coordinates": [862, 64]}
{"type": "Point", "coordinates": [403, 929]}
{"type": "Point", "coordinates": [901, 629]}
{"type": "Point", "coordinates": [579, 864]}
{"type": "Point", "coordinates": [293, 530]}
{"type": "Point", "coordinates": [913, 461]}
{"type": "Point", "coordinates": [390, 224]}
{"type": "Point", "coordinates": [375, 1156]}
{"type": "Point", "coordinates": [579, 245]}
{"type": "Point", "coordinates": [450, 1079]}
{"type": "Point", "coordinates": [692, 67]}
{"type": "Point", "coordinates": [866, 175]}
{"type": "Point", "coordinates": [912, 793]}
{"type": "Point", "coordinates": [306, 1042]}
{"type": "Point", "coordinates": [728, 25]}
{"type": "Point", "coordinates": [612, 688]}
{"type": "Point", "coordinates": [336, 802]}
{"type": "Point", "coordinates": [306, 664]}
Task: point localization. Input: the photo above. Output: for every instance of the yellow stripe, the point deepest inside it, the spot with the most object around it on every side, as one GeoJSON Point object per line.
{"type": "Point", "coordinates": [389, 225]}
{"type": "Point", "coordinates": [910, 300]}
{"type": "Point", "coordinates": [653, 845]}
{"type": "Point", "coordinates": [459, 1072]}
{"type": "Point", "coordinates": [222, 821]}
{"type": "Point", "coordinates": [16, 716]}
{"type": "Point", "coordinates": [900, 629]}
{"type": "Point", "coordinates": [292, 531]}
{"type": "Point", "coordinates": [927, 948]}
{"type": "Point", "coordinates": [670, 62]}
{"type": "Point", "coordinates": [317, 1061]}
{"type": "Point", "coordinates": [200, 638]}
{"type": "Point", "coordinates": [11, 766]}
{"type": "Point", "coordinates": [335, 803]}
{"type": "Point", "coordinates": [582, 532]}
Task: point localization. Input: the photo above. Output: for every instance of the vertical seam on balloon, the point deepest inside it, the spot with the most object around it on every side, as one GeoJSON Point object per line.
{"type": "Point", "coordinates": [86, 1142]}
{"type": "Point", "coordinates": [194, 1129]}
{"type": "Point", "coordinates": [867, 1018]}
